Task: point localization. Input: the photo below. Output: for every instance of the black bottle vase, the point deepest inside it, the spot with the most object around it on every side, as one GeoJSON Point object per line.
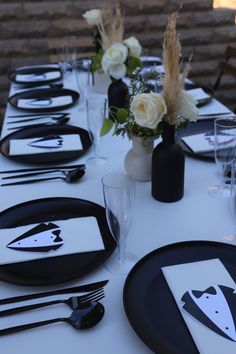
{"type": "Point", "coordinates": [117, 96]}
{"type": "Point", "coordinates": [168, 162]}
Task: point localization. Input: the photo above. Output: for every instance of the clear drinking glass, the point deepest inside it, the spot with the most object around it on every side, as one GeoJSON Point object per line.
{"type": "Point", "coordinates": [95, 115]}
{"type": "Point", "coordinates": [225, 144]}
{"type": "Point", "coordinates": [118, 191]}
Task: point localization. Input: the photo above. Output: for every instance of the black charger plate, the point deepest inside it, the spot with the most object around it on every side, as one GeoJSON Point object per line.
{"type": "Point", "coordinates": [34, 70]}
{"type": "Point", "coordinates": [201, 126]}
{"type": "Point", "coordinates": [149, 304]}
{"type": "Point", "coordinates": [59, 269]}
{"type": "Point", "coordinates": [42, 131]}
{"type": "Point", "coordinates": [44, 93]}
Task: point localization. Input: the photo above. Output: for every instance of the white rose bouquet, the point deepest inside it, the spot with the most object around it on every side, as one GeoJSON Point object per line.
{"type": "Point", "coordinates": [116, 57]}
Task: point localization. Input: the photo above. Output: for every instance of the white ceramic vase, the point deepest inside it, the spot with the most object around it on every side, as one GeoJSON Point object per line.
{"type": "Point", "coordinates": [138, 161]}
{"type": "Point", "coordinates": [101, 82]}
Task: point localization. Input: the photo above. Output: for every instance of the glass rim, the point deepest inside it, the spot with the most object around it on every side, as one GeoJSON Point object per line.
{"type": "Point", "coordinates": [224, 119]}
{"type": "Point", "coordinates": [129, 178]}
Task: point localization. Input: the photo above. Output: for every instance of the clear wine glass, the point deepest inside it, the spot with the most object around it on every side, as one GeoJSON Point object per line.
{"type": "Point", "coordinates": [95, 108]}
{"type": "Point", "coordinates": [118, 191]}
{"type": "Point", "coordinates": [225, 144]}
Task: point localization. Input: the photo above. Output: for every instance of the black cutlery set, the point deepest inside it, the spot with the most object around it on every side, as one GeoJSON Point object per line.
{"type": "Point", "coordinates": [87, 311]}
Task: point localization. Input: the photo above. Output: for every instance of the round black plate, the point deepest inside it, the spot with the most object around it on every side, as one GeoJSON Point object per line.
{"type": "Point", "coordinates": [201, 126]}
{"type": "Point", "coordinates": [42, 131]}
{"type": "Point", "coordinates": [55, 269]}
{"type": "Point", "coordinates": [34, 70]}
{"type": "Point", "coordinates": [44, 93]}
{"type": "Point", "coordinates": [208, 90]}
{"type": "Point", "coordinates": [149, 304]}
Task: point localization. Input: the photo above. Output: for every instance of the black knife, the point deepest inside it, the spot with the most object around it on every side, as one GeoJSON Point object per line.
{"type": "Point", "coordinates": [82, 166]}
{"type": "Point", "coordinates": [75, 289]}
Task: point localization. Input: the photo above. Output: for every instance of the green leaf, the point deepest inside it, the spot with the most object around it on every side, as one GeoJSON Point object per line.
{"type": "Point", "coordinates": [106, 126]}
{"type": "Point", "coordinates": [122, 115]}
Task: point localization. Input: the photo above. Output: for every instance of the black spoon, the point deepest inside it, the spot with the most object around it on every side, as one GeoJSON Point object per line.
{"type": "Point", "coordinates": [86, 316]}
{"type": "Point", "coordinates": [70, 177]}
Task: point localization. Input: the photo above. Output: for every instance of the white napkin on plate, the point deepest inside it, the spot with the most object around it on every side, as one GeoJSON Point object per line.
{"type": "Point", "coordinates": [44, 76]}
{"type": "Point", "coordinates": [198, 94]}
{"type": "Point", "coordinates": [213, 107]}
{"type": "Point", "coordinates": [199, 142]}
{"type": "Point", "coordinates": [200, 276]}
{"type": "Point", "coordinates": [70, 142]}
{"type": "Point", "coordinates": [34, 103]}
{"type": "Point", "coordinates": [77, 235]}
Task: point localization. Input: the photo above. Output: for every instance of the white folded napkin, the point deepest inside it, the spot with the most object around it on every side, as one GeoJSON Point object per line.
{"type": "Point", "coordinates": [198, 94]}
{"type": "Point", "coordinates": [34, 103]}
{"type": "Point", "coordinates": [199, 142]}
{"type": "Point", "coordinates": [65, 142]}
{"type": "Point", "coordinates": [50, 75]}
{"type": "Point", "coordinates": [72, 236]}
{"type": "Point", "coordinates": [205, 287]}
{"type": "Point", "coordinates": [213, 107]}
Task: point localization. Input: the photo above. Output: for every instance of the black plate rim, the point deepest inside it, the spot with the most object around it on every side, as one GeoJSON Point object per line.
{"type": "Point", "coordinates": [150, 255]}
{"type": "Point", "coordinates": [35, 69]}
{"type": "Point", "coordinates": [188, 151]}
{"type": "Point", "coordinates": [13, 100]}
{"type": "Point", "coordinates": [108, 252]}
{"type": "Point", "coordinates": [36, 127]}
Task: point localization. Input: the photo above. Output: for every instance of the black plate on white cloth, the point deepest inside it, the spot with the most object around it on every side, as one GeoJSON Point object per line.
{"type": "Point", "coordinates": [208, 90]}
{"type": "Point", "coordinates": [201, 126]}
{"type": "Point", "coordinates": [148, 301]}
{"type": "Point", "coordinates": [43, 131]}
{"type": "Point", "coordinates": [44, 94]}
{"type": "Point", "coordinates": [59, 269]}
{"type": "Point", "coordinates": [37, 70]}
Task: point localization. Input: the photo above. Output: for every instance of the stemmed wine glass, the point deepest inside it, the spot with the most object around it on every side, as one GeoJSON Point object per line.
{"type": "Point", "coordinates": [118, 191]}
{"type": "Point", "coordinates": [95, 115]}
{"type": "Point", "coordinates": [225, 144]}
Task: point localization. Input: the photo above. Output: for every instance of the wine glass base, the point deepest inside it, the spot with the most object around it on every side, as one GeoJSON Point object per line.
{"type": "Point", "coordinates": [116, 267]}
{"type": "Point", "coordinates": [216, 191]}
{"type": "Point", "coordinates": [96, 161]}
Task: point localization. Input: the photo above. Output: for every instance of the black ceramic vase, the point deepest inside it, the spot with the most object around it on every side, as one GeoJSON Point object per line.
{"type": "Point", "coordinates": [168, 168]}
{"type": "Point", "coordinates": [117, 96]}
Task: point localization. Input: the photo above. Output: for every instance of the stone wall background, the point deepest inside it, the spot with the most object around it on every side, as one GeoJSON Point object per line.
{"type": "Point", "coordinates": [34, 32]}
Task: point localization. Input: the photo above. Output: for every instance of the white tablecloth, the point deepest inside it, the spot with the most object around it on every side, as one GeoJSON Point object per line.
{"type": "Point", "coordinates": [196, 217]}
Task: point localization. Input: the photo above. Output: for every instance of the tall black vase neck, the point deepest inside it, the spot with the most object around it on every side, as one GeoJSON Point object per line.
{"type": "Point", "coordinates": [117, 96]}
{"type": "Point", "coordinates": [168, 134]}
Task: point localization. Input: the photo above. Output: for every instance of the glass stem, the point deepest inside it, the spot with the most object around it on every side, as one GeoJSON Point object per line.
{"type": "Point", "coordinates": [222, 183]}
{"type": "Point", "coordinates": [121, 250]}
{"type": "Point", "coordinates": [96, 149]}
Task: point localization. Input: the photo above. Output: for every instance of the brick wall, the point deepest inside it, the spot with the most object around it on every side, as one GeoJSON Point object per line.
{"type": "Point", "coordinates": [33, 32]}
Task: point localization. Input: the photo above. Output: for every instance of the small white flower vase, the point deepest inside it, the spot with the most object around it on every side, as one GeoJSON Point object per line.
{"type": "Point", "coordinates": [138, 161]}
{"type": "Point", "coordinates": [101, 82]}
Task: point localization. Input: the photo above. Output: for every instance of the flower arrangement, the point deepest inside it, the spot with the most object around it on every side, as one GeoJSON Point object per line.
{"type": "Point", "coordinates": [117, 57]}
{"type": "Point", "coordinates": [149, 112]}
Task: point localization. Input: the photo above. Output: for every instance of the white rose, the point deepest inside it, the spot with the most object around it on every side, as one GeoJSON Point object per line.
{"type": "Point", "coordinates": [148, 109]}
{"type": "Point", "coordinates": [113, 60]}
{"type": "Point", "coordinates": [187, 106]}
{"type": "Point", "coordinates": [93, 17]}
{"type": "Point", "coordinates": [134, 46]}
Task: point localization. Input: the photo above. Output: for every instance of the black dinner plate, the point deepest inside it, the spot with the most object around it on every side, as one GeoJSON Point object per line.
{"type": "Point", "coordinates": [149, 304]}
{"type": "Point", "coordinates": [208, 90]}
{"type": "Point", "coordinates": [37, 70]}
{"type": "Point", "coordinates": [44, 94]}
{"type": "Point", "coordinates": [59, 269]}
{"type": "Point", "coordinates": [43, 131]}
{"type": "Point", "coordinates": [201, 126]}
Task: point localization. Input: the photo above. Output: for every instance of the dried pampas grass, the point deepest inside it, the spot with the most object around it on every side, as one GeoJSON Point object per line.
{"type": "Point", "coordinates": [111, 28]}
{"type": "Point", "coordinates": [174, 80]}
